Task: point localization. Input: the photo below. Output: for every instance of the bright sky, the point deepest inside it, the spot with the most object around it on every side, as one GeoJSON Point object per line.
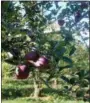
{"type": "Point", "coordinates": [63, 5]}
{"type": "Point", "coordinates": [84, 33]}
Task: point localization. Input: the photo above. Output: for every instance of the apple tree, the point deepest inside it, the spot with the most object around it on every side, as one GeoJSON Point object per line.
{"type": "Point", "coordinates": [34, 52]}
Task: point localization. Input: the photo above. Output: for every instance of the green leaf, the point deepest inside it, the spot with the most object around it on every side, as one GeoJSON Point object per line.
{"type": "Point", "coordinates": [60, 52]}
{"type": "Point", "coordinates": [48, 5]}
{"type": "Point", "coordinates": [84, 83]}
{"type": "Point", "coordinates": [54, 12]}
{"type": "Point", "coordinates": [49, 16]}
{"type": "Point", "coordinates": [68, 60]}
{"type": "Point", "coordinates": [64, 67]}
{"type": "Point", "coordinates": [12, 62]}
{"type": "Point", "coordinates": [65, 79]}
{"type": "Point", "coordinates": [56, 4]}
{"type": "Point", "coordinates": [81, 74]}
{"type": "Point", "coordinates": [67, 66]}
{"type": "Point", "coordinates": [72, 51]}
{"type": "Point", "coordinates": [72, 80]}
{"type": "Point", "coordinates": [45, 82]}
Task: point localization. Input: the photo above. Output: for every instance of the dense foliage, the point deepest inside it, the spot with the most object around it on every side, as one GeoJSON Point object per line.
{"type": "Point", "coordinates": [23, 26]}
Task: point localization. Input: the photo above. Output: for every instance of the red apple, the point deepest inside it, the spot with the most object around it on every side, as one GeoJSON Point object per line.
{"type": "Point", "coordinates": [22, 72]}
{"type": "Point", "coordinates": [33, 55]}
{"type": "Point", "coordinates": [41, 62]}
{"type": "Point", "coordinates": [61, 22]}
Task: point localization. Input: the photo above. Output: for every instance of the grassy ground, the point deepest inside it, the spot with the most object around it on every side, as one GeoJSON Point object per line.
{"type": "Point", "coordinates": [53, 100]}
{"type": "Point", "coordinates": [19, 92]}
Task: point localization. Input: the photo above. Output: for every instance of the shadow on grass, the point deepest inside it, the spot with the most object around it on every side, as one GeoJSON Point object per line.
{"type": "Point", "coordinates": [52, 91]}
{"type": "Point", "coordinates": [11, 93]}
{"type": "Point", "coordinates": [14, 92]}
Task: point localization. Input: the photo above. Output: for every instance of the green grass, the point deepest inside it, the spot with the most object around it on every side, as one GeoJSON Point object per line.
{"type": "Point", "coordinates": [53, 100]}
{"type": "Point", "coordinates": [19, 92]}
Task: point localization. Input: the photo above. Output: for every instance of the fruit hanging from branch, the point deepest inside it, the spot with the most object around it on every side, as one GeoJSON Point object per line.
{"type": "Point", "coordinates": [61, 22]}
{"type": "Point", "coordinates": [22, 72]}
{"type": "Point", "coordinates": [42, 62]}
{"type": "Point", "coordinates": [33, 55]}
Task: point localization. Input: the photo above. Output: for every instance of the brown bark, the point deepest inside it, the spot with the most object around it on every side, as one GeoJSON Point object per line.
{"type": "Point", "coordinates": [54, 85]}
{"type": "Point", "coordinates": [37, 89]}
{"type": "Point", "coordinates": [37, 85]}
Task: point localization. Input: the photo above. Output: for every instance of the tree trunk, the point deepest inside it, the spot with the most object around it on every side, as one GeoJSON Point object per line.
{"type": "Point", "coordinates": [37, 88]}
{"type": "Point", "coordinates": [37, 85]}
